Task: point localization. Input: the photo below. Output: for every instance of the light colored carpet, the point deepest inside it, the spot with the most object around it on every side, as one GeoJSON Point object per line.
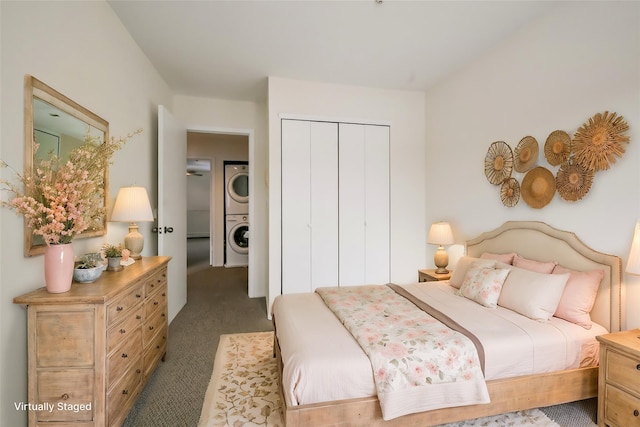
{"type": "Point", "coordinates": [243, 390]}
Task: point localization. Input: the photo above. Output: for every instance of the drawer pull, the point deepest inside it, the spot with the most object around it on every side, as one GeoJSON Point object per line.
{"type": "Point", "coordinates": [125, 391]}
{"type": "Point", "coordinates": [119, 308]}
{"type": "Point", "coordinates": [164, 294]}
{"type": "Point", "coordinates": [151, 328]}
{"type": "Point", "coordinates": [155, 303]}
{"type": "Point", "coordinates": [162, 315]}
{"type": "Point", "coordinates": [125, 355]}
{"type": "Point", "coordinates": [138, 295]}
{"type": "Point", "coordinates": [138, 317]}
{"type": "Point", "coordinates": [638, 367]}
{"type": "Point", "coordinates": [64, 397]}
{"type": "Point", "coordinates": [636, 412]}
{"type": "Point", "coordinates": [138, 371]}
{"type": "Point", "coordinates": [122, 331]}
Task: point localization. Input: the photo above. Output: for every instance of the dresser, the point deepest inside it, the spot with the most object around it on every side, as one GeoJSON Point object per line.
{"type": "Point", "coordinates": [91, 350]}
{"type": "Point", "coordinates": [619, 379]}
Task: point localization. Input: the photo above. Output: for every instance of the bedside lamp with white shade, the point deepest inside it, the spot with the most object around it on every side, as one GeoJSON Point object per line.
{"type": "Point", "coordinates": [633, 263]}
{"type": "Point", "coordinates": [440, 234]}
{"type": "Point", "coordinates": [132, 205]}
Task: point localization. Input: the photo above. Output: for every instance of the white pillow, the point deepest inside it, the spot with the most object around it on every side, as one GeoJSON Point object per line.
{"type": "Point", "coordinates": [483, 285]}
{"type": "Point", "coordinates": [532, 294]}
{"type": "Point", "coordinates": [464, 263]}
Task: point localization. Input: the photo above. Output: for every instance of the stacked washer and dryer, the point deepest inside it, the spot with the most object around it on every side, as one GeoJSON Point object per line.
{"type": "Point", "coordinates": [236, 178]}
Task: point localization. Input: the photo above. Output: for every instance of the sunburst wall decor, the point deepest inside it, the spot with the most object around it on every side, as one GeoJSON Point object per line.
{"type": "Point", "coordinates": [598, 141]}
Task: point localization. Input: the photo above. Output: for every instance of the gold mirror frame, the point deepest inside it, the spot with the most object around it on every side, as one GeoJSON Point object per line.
{"type": "Point", "coordinates": [77, 121]}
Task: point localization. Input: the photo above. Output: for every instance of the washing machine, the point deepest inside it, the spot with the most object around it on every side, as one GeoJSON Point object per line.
{"type": "Point", "coordinates": [236, 177]}
{"type": "Point", "coordinates": [237, 240]}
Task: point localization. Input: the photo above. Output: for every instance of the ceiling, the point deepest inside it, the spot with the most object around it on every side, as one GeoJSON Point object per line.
{"type": "Point", "coordinates": [227, 49]}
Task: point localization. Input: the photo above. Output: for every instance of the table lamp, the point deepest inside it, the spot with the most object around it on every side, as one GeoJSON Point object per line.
{"type": "Point", "coordinates": [633, 263]}
{"type": "Point", "coordinates": [132, 205]}
{"type": "Point", "coordinates": [440, 234]}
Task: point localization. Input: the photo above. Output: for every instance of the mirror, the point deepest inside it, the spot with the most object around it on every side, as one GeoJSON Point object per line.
{"type": "Point", "coordinates": [58, 125]}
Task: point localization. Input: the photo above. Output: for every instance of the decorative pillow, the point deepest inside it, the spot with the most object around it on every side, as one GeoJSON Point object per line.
{"type": "Point", "coordinates": [579, 295]}
{"type": "Point", "coordinates": [532, 294]}
{"type": "Point", "coordinates": [506, 258]}
{"type": "Point", "coordinates": [483, 285]}
{"type": "Point", "coordinates": [537, 266]}
{"type": "Point", "coordinates": [464, 263]}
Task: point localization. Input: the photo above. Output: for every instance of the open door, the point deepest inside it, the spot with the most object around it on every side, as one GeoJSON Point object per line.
{"type": "Point", "coordinates": [172, 202]}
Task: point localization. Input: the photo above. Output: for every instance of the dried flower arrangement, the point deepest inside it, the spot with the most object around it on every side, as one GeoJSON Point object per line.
{"type": "Point", "coordinates": [62, 198]}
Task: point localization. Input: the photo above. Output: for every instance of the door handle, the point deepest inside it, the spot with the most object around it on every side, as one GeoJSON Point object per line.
{"type": "Point", "coordinates": [160, 230]}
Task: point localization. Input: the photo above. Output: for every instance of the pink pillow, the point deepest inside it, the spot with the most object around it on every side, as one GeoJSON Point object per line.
{"type": "Point", "coordinates": [531, 265]}
{"type": "Point", "coordinates": [579, 295]}
{"type": "Point", "coordinates": [483, 285]}
{"type": "Point", "coordinates": [506, 258]}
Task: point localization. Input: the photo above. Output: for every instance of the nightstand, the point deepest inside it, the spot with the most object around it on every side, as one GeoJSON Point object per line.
{"type": "Point", "coordinates": [432, 276]}
{"type": "Point", "coordinates": [619, 379]}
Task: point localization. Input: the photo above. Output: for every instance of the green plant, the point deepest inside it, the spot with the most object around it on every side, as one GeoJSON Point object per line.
{"type": "Point", "coordinates": [87, 262]}
{"type": "Point", "coordinates": [112, 251]}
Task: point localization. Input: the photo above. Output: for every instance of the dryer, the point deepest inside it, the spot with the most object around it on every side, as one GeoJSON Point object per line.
{"type": "Point", "coordinates": [236, 178]}
{"type": "Point", "coordinates": [236, 240]}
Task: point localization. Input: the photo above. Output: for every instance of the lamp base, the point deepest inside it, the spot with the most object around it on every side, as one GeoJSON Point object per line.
{"type": "Point", "coordinates": [441, 260]}
{"type": "Point", "coordinates": [134, 241]}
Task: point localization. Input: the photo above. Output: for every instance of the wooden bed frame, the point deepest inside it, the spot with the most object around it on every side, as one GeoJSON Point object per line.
{"type": "Point", "coordinates": [533, 240]}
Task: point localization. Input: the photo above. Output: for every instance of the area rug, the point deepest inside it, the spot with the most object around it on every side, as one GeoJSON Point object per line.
{"type": "Point", "coordinates": [243, 390]}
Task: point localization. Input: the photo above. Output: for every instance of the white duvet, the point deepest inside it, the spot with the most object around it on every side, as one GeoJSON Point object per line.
{"type": "Point", "coordinates": [323, 362]}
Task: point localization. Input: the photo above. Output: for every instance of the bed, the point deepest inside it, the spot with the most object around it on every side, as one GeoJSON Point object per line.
{"type": "Point", "coordinates": [338, 358]}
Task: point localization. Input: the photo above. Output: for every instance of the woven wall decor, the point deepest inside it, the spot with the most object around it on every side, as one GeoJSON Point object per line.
{"type": "Point", "coordinates": [526, 154]}
{"type": "Point", "coordinates": [598, 141]}
{"type": "Point", "coordinates": [557, 147]}
{"type": "Point", "coordinates": [573, 181]}
{"type": "Point", "coordinates": [498, 162]}
{"type": "Point", "coordinates": [538, 187]}
{"type": "Point", "coordinates": [510, 192]}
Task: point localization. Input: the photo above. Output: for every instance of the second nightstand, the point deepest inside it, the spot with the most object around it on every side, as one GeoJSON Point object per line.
{"type": "Point", "coordinates": [432, 276]}
{"type": "Point", "coordinates": [619, 379]}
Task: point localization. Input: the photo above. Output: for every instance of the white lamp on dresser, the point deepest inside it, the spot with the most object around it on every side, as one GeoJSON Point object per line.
{"type": "Point", "coordinates": [132, 205]}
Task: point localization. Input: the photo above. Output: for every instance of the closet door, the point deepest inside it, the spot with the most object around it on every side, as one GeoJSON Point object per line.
{"type": "Point", "coordinates": [363, 204]}
{"type": "Point", "coordinates": [309, 205]}
{"type": "Point", "coordinates": [377, 205]}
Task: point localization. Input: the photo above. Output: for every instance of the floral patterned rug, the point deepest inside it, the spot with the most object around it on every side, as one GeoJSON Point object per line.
{"type": "Point", "coordinates": [243, 390]}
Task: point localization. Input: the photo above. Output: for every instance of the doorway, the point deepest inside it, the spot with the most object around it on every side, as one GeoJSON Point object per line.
{"type": "Point", "coordinates": [216, 148]}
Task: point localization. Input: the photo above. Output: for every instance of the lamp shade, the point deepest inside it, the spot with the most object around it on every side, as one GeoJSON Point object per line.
{"type": "Point", "coordinates": [132, 205]}
{"type": "Point", "coordinates": [633, 263]}
{"type": "Point", "coordinates": [440, 234]}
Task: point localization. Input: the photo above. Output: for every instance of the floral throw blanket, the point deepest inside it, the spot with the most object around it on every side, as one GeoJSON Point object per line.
{"type": "Point", "coordinates": [418, 363]}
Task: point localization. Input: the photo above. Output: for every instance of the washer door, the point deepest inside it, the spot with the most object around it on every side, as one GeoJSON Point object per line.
{"type": "Point", "coordinates": [238, 187]}
{"type": "Point", "coordinates": [239, 238]}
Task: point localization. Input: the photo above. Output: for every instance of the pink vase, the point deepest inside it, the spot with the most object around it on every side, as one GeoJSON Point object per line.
{"type": "Point", "coordinates": [58, 268]}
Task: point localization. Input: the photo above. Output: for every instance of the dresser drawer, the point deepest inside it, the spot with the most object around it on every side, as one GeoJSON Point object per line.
{"type": "Point", "coordinates": [152, 325]}
{"type": "Point", "coordinates": [65, 390]}
{"type": "Point", "coordinates": [117, 310]}
{"type": "Point", "coordinates": [120, 332]}
{"type": "Point", "coordinates": [623, 371]}
{"type": "Point", "coordinates": [156, 349]}
{"type": "Point", "coordinates": [123, 357]}
{"type": "Point", "coordinates": [157, 279]}
{"type": "Point", "coordinates": [621, 409]}
{"type": "Point", "coordinates": [155, 301]}
{"type": "Point", "coordinates": [127, 388]}
{"type": "Point", "coordinates": [65, 338]}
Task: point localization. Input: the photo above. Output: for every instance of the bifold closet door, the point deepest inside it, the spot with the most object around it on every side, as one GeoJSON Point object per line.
{"type": "Point", "coordinates": [309, 205]}
{"type": "Point", "coordinates": [363, 204]}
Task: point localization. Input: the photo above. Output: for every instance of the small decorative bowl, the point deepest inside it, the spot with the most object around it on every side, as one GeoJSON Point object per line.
{"type": "Point", "coordinates": [87, 275]}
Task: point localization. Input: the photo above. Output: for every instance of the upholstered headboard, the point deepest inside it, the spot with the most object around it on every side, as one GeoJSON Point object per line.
{"type": "Point", "coordinates": [541, 242]}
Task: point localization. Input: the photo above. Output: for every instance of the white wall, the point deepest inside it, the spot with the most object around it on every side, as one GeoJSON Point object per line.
{"type": "Point", "coordinates": [581, 59]}
{"type": "Point", "coordinates": [81, 50]}
{"type": "Point", "coordinates": [240, 117]}
{"type": "Point", "coordinates": [405, 112]}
